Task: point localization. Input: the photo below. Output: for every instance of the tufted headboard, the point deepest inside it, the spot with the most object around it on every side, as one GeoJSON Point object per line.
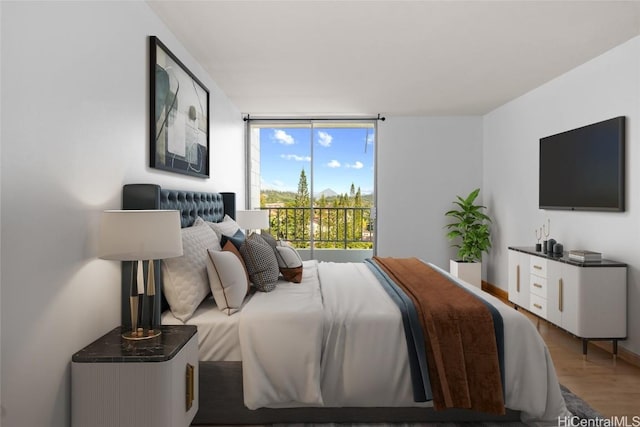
{"type": "Point", "coordinates": [191, 204]}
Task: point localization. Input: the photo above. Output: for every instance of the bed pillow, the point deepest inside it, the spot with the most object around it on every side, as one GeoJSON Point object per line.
{"type": "Point", "coordinates": [269, 239]}
{"type": "Point", "coordinates": [289, 262]}
{"type": "Point", "coordinates": [184, 279]}
{"type": "Point", "coordinates": [261, 263]}
{"type": "Point", "coordinates": [230, 247]}
{"type": "Point", "coordinates": [227, 227]}
{"type": "Point", "coordinates": [237, 239]}
{"type": "Point", "coordinates": [227, 278]}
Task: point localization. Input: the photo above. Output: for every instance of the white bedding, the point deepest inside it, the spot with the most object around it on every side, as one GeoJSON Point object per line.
{"type": "Point", "coordinates": [281, 340]}
{"type": "Point", "coordinates": [337, 339]}
{"type": "Point", "coordinates": [218, 338]}
{"type": "Point", "coordinates": [369, 328]}
{"type": "Point", "coordinates": [364, 358]}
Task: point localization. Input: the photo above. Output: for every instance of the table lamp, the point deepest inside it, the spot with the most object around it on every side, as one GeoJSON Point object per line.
{"type": "Point", "coordinates": [140, 235]}
{"type": "Point", "coordinates": [253, 220]}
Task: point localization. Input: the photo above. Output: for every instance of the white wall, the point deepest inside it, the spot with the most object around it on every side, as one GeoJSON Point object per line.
{"type": "Point", "coordinates": [423, 163]}
{"type": "Point", "coordinates": [74, 129]}
{"type": "Point", "coordinates": [603, 88]}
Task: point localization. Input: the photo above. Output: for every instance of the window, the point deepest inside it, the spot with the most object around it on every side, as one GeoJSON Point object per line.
{"type": "Point", "coordinates": [317, 179]}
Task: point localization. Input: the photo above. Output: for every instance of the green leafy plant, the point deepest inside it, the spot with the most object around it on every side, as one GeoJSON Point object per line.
{"type": "Point", "coordinates": [471, 227]}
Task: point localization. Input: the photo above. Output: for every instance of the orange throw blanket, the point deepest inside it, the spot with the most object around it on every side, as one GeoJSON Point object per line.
{"type": "Point", "coordinates": [460, 339]}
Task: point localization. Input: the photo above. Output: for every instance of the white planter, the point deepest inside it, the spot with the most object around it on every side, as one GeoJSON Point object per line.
{"type": "Point", "coordinates": [470, 272]}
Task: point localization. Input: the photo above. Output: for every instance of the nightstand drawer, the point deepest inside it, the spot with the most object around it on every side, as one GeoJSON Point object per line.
{"type": "Point", "coordinates": [538, 306]}
{"type": "Point", "coordinates": [538, 286]}
{"type": "Point", "coordinates": [538, 266]}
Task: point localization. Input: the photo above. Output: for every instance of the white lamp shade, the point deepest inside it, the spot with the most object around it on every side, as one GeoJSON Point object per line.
{"type": "Point", "coordinates": [253, 220]}
{"type": "Point", "coordinates": [130, 235]}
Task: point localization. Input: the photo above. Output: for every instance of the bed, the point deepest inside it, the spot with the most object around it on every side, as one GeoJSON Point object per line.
{"type": "Point", "coordinates": [332, 378]}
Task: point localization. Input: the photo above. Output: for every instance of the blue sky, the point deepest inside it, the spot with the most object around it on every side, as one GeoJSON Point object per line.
{"type": "Point", "coordinates": [342, 156]}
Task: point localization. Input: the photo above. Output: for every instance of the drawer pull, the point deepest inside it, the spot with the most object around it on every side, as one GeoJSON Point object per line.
{"type": "Point", "coordinates": [518, 277]}
{"type": "Point", "coordinates": [190, 386]}
{"type": "Point", "coordinates": [538, 306]}
{"type": "Point", "coordinates": [560, 295]}
{"type": "Point", "coordinates": [537, 267]}
{"type": "Point", "coordinates": [537, 285]}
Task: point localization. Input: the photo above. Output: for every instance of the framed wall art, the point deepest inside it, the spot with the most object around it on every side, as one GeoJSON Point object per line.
{"type": "Point", "coordinates": [179, 115]}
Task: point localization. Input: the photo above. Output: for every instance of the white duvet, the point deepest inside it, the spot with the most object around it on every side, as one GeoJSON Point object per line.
{"type": "Point", "coordinates": [281, 343]}
{"type": "Point", "coordinates": [337, 339]}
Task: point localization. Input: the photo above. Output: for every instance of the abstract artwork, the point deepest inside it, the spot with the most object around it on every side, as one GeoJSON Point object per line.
{"type": "Point", "coordinates": [179, 119]}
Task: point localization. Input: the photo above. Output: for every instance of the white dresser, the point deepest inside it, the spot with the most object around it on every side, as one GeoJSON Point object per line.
{"type": "Point", "coordinates": [588, 300]}
{"type": "Point", "coordinates": [150, 383]}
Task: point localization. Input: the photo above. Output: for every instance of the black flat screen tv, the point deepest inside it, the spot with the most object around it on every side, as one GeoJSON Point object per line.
{"type": "Point", "coordinates": [584, 168]}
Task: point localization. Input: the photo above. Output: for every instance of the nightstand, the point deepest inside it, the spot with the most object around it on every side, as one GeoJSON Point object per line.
{"type": "Point", "coordinates": [117, 382]}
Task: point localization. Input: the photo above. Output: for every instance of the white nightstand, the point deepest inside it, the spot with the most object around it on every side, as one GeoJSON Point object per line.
{"type": "Point", "coordinates": [116, 382]}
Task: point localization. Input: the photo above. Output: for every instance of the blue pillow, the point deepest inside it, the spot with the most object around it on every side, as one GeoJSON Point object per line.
{"type": "Point", "coordinates": [237, 239]}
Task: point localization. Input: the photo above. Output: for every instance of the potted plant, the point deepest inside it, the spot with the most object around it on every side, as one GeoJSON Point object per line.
{"type": "Point", "coordinates": [471, 230]}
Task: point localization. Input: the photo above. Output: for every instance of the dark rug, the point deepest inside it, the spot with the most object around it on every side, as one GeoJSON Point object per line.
{"type": "Point", "coordinates": [577, 406]}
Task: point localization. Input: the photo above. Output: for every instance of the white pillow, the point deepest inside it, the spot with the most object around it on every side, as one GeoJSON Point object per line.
{"type": "Point", "coordinates": [289, 262]}
{"type": "Point", "coordinates": [288, 257]}
{"type": "Point", "coordinates": [227, 279]}
{"type": "Point", "coordinates": [227, 226]}
{"type": "Point", "coordinates": [184, 279]}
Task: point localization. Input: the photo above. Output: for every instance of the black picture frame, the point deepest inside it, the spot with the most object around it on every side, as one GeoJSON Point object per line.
{"type": "Point", "coordinates": [178, 115]}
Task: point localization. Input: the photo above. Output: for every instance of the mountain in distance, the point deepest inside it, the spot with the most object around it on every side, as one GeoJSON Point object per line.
{"type": "Point", "coordinates": [327, 193]}
{"type": "Point", "coordinates": [280, 198]}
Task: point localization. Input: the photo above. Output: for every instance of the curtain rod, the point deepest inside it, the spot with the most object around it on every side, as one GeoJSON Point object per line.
{"type": "Point", "coordinates": [248, 118]}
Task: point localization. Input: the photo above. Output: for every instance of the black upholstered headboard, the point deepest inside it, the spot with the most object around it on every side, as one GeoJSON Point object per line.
{"type": "Point", "coordinates": [191, 204]}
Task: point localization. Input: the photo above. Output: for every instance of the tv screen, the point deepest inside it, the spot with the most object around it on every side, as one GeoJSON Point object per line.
{"type": "Point", "coordinates": [583, 169]}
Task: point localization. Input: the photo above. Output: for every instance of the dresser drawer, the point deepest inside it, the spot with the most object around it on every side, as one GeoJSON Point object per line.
{"type": "Point", "coordinates": [538, 266]}
{"type": "Point", "coordinates": [538, 306]}
{"type": "Point", "coordinates": [538, 286]}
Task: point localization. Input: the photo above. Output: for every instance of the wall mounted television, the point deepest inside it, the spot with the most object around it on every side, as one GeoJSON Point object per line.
{"type": "Point", "coordinates": [584, 168]}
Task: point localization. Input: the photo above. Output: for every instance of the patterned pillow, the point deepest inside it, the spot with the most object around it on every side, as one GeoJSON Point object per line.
{"type": "Point", "coordinates": [289, 262]}
{"type": "Point", "coordinates": [227, 278]}
{"type": "Point", "coordinates": [261, 263]}
{"type": "Point", "coordinates": [184, 279]}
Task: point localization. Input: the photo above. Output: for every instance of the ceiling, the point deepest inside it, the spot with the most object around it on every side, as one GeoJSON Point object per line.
{"type": "Point", "coordinates": [393, 57]}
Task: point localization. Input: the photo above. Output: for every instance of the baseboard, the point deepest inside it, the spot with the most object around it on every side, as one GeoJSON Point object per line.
{"type": "Point", "coordinates": [495, 291]}
{"type": "Point", "coordinates": [623, 354]}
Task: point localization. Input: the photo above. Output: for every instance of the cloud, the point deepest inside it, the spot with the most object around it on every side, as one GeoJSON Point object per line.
{"type": "Point", "coordinates": [334, 164]}
{"type": "Point", "coordinates": [295, 157]}
{"type": "Point", "coordinates": [356, 165]}
{"type": "Point", "coordinates": [275, 185]}
{"type": "Point", "coordinates": [282, 137]}
{"type": "Point", "coordinates": [324, 139]}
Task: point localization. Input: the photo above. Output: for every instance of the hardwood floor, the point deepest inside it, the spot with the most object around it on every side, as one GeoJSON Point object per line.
{"type": "Point", "coordinates": [610, 387]}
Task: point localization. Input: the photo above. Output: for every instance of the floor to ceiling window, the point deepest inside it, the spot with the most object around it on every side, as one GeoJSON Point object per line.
{"type": "Point", "coordinates": [317, 180]}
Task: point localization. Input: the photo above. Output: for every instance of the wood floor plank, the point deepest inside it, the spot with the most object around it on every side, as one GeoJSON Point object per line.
{"type": "Point", "coordinates": [612, 387]}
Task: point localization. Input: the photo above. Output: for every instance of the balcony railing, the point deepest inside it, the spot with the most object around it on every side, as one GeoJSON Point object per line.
{"type": "Point", "coordinates": [335, 228]}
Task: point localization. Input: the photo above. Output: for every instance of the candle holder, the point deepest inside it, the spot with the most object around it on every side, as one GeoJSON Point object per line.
{"type": "Point", "coordinates": [545, 232]}
{"type": "Point", "coordinates": [538, 237]}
